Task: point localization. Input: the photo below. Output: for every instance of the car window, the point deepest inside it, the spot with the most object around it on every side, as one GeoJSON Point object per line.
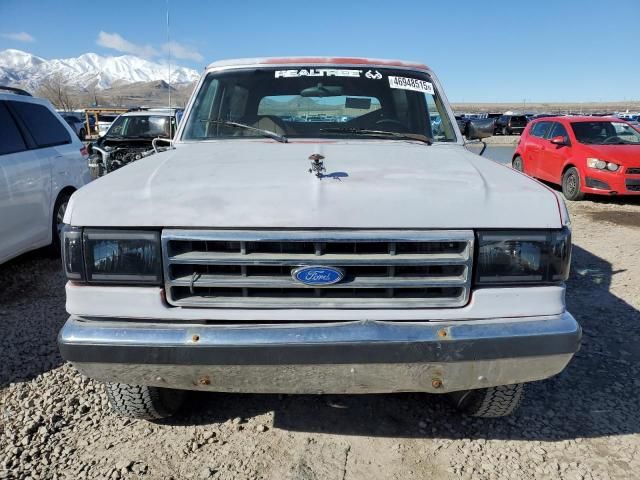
{"type": "Point", "coordinates": [604, 132]}
{"type": "Point", "coordinates": [142, 126]}
{"type": "Point", "coordinates": [11, 140]}
{"type": "Point", "coordinates": [44, 127]}
{"type": "Point", "coordinates": [540, 129]}
{"type": "Point", "coordinates": [335, 109]}
{"type": "Point", "coordinates": [557, 130]}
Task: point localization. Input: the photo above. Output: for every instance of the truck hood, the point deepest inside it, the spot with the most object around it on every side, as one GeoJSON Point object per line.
{"type": "Point", "coordinates": [265, 184]}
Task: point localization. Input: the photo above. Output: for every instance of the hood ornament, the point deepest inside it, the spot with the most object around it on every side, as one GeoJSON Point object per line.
{"type": "Point", "coordinates": [316, 165]}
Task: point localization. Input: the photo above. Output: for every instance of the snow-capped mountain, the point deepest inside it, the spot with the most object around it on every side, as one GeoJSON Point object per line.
{"type": "Point", "coordinates": [27, 70]}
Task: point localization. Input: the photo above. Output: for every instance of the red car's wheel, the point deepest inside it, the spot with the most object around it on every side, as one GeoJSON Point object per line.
{"type": "Point", "coordinates": [571, 185]}
{"type": "Point", "coordinates": [517, 163]}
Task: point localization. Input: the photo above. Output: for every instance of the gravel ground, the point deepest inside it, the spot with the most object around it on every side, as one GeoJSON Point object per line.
{"type": "Point", "coordinates": [581, 424]}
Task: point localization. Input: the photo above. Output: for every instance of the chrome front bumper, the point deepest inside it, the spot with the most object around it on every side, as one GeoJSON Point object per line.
{"type": "Point", "coordinates": [348, 357]}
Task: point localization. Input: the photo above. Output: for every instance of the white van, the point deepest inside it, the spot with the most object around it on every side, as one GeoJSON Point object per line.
{"type": "Point", "coordinates": [42, 162]}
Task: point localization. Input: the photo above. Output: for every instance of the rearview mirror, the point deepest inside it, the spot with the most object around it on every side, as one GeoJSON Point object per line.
{"type": "Point", "coordinates": [480, 128]}
{"type": "Point", "coordinates": [322, 91]}
{"type": "Point", "coordinates": [559, 140]}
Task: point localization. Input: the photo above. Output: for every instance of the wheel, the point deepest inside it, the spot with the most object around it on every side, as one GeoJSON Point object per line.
{"type": "Point", "coordinates": [571, 185]}
{"type": "Point", "coordinates": [505, 131]}
{"type": "Point", "coordinates": [490, 402]}
{"type": "Point", "coordinates": [143, 402]}
{"type": "Point", "coordinates": [81, 134]}
{"type": "Point", "coordinates": [517, 163]}
{"type": "Point", "coordinates": [58, 221]}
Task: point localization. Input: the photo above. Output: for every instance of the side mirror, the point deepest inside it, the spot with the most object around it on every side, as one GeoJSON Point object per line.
{"type": "Point", "coordinates": [559, 140]}
{"type": "Point", "coordinates": [479, 129]}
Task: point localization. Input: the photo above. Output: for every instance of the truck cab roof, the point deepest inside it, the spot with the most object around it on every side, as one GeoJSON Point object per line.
{"type": "Point", "coordinates": [352, 61]}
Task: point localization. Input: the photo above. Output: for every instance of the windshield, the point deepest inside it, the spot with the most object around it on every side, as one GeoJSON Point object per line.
{"type": "Point", "coordinates": [310, 102]}
{"type": "Point", "coordinates": [143, 126]}
{"type": "Point", "coordinates": [605, 133]}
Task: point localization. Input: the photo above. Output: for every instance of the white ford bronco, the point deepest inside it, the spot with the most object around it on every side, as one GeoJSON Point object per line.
{"type": "Point", "coordinates": [318, 227]}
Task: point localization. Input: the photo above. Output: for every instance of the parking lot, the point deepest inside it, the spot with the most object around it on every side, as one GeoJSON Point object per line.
{"type": "Point", "coordinates": [582, 424]}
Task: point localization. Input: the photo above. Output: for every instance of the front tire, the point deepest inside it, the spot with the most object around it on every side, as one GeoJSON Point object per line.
{"type": "Point", "coordinates": [517, 163]}
{"type": "Point", "coordinates": [143, 402]}
{"type": "Point", "coordinates": [571, 185]}
{"type": "Point", "coordinates": [58, 221]}
{"type": "Point", "coordinates": [490, 402]}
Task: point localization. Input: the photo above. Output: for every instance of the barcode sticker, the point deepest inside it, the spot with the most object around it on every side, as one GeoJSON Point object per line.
{"type": "Point", "coordinates": [414, 84]}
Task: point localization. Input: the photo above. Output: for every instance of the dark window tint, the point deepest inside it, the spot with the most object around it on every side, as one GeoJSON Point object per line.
{"type": "Point", "coordinates": [540, 129]}
{"type": "Point", "coordinates": [43, 126]}
{"type": "Point", "coordinates": [557, 130]}
{"type": "Point", "coordinates": [518, 120]}
{"type": "Point", "coordinates": [10, 138]}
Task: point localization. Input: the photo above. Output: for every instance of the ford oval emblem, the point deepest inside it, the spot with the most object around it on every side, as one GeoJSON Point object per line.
{"type": "Point", "coordinates": [318, 276]}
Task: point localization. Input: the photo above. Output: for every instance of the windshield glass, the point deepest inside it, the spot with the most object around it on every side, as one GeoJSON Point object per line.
{"type": "Point", "coordinates": [314, 102]}
{"type": "Point", "coordinates": [605, 133]}
{"type": "Point", "coordinates": [143, 126]}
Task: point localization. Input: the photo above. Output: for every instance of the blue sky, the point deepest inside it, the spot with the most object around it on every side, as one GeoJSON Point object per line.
{"type": "Point", "coordinates": [492, 50]}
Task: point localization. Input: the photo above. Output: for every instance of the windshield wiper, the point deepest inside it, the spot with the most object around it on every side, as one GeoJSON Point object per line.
{"type": "Point", "coordinates": [380, 133]}
{"type": "Point", "coordinates": [264, 132]}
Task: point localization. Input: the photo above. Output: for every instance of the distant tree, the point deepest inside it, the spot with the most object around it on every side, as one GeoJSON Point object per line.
{"type": "Point", "coordinates": [58, 91]}
{"type": "Point", "coordinates": [92, 93]}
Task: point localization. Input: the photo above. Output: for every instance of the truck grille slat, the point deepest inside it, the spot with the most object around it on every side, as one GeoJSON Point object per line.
{"type": "Point", "coordinates": [383, 269]}
{"type": "Point", "coordinates": [288, 282]}
{"type": "Point", "coordinates": [213, 258]}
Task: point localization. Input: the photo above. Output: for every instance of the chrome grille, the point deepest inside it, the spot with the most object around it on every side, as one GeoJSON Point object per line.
{"type": "Point", "coordinates": [252, 269]}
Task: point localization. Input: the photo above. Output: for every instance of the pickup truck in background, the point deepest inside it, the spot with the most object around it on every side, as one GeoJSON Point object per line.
{"type": "Point", "coordinates": [318, 227]}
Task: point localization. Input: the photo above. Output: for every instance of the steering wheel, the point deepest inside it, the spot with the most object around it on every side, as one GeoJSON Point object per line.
{"type": "Point", "coordinates": [613, 137]}
{"type": "Point", "coordinates": [392, 122]}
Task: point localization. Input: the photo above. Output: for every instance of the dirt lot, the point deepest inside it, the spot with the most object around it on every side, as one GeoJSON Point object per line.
{"type": "Point", "coordinates": [582, 424]}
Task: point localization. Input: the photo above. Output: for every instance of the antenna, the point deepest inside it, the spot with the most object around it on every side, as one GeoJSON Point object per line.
{"type": "Point", "coordinates": [169, 53]}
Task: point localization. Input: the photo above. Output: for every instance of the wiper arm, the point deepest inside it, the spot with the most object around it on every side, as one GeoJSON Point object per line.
{"type": "Point", "coordinates": [264, 132]}
{"type": "Point", "coordinates": [380, 133]}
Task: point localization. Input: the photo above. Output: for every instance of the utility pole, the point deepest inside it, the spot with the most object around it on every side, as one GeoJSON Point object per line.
{"type": "Point", "coordinates": [169, 54]}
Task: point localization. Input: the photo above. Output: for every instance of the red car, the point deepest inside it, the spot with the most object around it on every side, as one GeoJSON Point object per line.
{"type": "Point", "coordinates": [583, 154]}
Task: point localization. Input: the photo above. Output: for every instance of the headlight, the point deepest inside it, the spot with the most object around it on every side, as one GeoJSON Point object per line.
{"type": "Point", "coordinates": [72, 259]}
{"type": "Point", "coordinates": [112, 256]}
{"type": "Point", "coordinates": [602, 164]}
{"type": "Point", "coordinates": [596, 163]}
{"type": "Point", "coordinates": [524, 257]}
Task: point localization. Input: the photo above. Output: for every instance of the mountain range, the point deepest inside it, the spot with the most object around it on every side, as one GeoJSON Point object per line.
{"type": "Point", "coordinates": [90, 70]}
